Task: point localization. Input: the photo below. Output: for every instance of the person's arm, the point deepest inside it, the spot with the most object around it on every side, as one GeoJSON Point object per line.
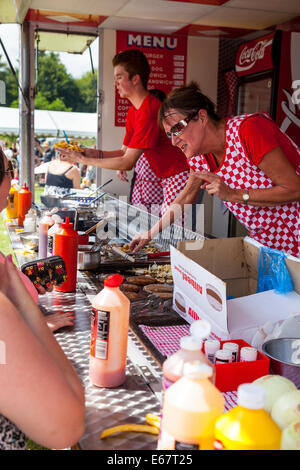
{"type": "Point", "coordinates": [74, 174]}
{"type": "Point", "coordinates": [277, 167]}
{"type": "Point", "coordinates": [111, 160]}
{"type": "Point", "coordinates": [187, 196]}
{"type": "Point", "coordinates": [12, 286]}
{"type": "Point", "coordinates": [40, 391]}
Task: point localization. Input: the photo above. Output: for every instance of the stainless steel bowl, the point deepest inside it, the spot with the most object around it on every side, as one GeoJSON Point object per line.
{"type": "Point", "coordinates": [284, 355]}
{"type": "Point", "coordinates": [30, 240]}
{"type": "Point", "coordinates": [87, 259]}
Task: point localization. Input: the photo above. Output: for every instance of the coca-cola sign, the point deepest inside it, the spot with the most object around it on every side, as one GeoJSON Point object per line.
{"type": "Point", "coordinates": [255, 56]}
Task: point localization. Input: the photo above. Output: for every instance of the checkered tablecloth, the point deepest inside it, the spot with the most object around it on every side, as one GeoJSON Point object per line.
{"type": "Point", "coordinates": [166, 340]}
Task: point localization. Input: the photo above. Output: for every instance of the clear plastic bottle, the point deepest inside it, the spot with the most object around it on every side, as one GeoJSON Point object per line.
{"type": "Point", "coordinates": [52, 231]}
{"type": "Point", "coordinates": [191, 407]}
{"type": "Point", "coordinates": [190, 350]}
{"type": "Point", "coordinates": [247, 426]}
{"type": "Point", "coordinates": [29, 223]}
{"type": "Point", "coordinates": [109, 334]}
{"type": "Point", "coordinates": [45, 223]}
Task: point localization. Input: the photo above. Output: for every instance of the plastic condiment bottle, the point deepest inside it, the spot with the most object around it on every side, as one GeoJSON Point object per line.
{"type": "Point", "coordinates": [66, 246]}
{"type": "Point", "coordinates": [24, 203]}
{"type": "Point", "coordinates": [52, 230]}
{"type": "Point", "coordinates": [191, 407]}
{"type": "Point", "coordinates": [247, 426]}
{"type": "Point", "coordinates": [45, 223]}
{"type": "Point", "coordinates": [12, 206]}
{"type": "Point", "coordinates": [109, 333]}
{"type": "Point", "coordinates": [190, 350]}
{"type": "Point", "coordinates": [29, 223]}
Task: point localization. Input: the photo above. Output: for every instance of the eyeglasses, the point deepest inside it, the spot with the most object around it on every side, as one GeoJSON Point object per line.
{"type": "Point", "coordinates": [10, 169]}
{"type": "Point", "coordinates": [179, 127]}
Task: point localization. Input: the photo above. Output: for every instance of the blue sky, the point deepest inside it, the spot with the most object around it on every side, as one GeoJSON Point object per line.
{"type": "Point", "coordinates": [76, 64]}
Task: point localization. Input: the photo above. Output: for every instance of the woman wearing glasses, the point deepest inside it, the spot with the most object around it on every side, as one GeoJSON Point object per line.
{"type": "Point", "coordinates": [41, 394]}
{"type": "Point", "coordinates": [247, 161]}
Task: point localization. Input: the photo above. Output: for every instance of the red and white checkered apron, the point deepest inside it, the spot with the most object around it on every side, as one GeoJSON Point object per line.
{"type": "Point", "coordinates": [277, 227]}
{"type": "Point", "coordinates": [149, 189]}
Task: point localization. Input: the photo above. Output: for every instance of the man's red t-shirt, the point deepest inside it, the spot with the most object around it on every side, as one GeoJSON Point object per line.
{"type": "Point", "coordinates": [143, 132]}
{"type": "Point", "coordinates": [260, 135]}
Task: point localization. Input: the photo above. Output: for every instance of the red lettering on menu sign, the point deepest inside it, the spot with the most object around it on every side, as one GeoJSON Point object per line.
{"type": "Point", "coordinates": [166, 56]}
{"type": "Point", "coordinates": [189, 280]}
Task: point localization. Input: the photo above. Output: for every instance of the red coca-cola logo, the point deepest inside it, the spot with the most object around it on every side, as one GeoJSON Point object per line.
{"type": "Point", "coordinates": [255, 56]}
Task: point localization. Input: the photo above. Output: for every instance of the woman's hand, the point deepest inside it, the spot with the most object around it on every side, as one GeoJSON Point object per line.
{"type": "Point", "coordinates": [215, 185]}
{"type": "Point", "coordinates": [122, 175]}
{"type": "Point", "coordinates": [139, 241]}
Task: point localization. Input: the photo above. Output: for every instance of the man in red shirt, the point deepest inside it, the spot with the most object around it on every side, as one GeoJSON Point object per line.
{"type": "Point", "coordinates": [143, 133]}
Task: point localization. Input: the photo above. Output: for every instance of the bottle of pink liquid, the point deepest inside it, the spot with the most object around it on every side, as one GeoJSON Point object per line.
{"type": "Point", "coordinates": [109, 333]}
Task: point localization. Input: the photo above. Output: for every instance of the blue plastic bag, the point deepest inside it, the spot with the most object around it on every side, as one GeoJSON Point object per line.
{"type": "Point", "coordinates": [272, 271]}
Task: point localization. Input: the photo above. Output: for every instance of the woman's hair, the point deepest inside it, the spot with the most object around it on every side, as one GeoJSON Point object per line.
{"type": "Point", "coordinates": [135, 63]}
{"type": "Point", "coordinates": [2, 165]}
{"type": "Point", "coordinates": [188, 99]}
{"type": "Point", "coordinates": [159, 94]}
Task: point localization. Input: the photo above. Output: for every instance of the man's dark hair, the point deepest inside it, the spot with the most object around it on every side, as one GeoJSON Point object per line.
{"type": "Point", "coordinates": [135, 63]}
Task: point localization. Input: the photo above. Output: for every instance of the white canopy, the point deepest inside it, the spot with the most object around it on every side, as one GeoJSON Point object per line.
{"type": "Point", "coordinates": [51, 123]}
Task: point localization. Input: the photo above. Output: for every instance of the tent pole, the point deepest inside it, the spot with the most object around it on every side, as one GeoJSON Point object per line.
{"type": "Point", "coordinates": [26, 110]}
{"type": "Point", "coordinates": [99, 101]}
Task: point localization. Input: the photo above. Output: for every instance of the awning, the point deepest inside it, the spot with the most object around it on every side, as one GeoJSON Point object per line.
{"type": "Point", "coordinates": [51, 123]}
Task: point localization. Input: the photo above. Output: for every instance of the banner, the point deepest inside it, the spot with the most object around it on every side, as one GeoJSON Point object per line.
{"type": "Point", "coordinates": [167, 59]}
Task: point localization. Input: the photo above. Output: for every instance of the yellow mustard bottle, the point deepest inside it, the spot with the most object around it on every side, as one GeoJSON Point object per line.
{"type": "Point", "coordinates": [12, 206]}
{"type": "Point", "coordinates": [247, 426]}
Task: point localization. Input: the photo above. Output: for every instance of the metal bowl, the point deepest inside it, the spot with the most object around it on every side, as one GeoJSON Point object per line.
{"type": "Point", "coordinates": [87, 259]}
{"type": "Point", "coordinates": [284, 355]}
{"type": "Point", "coordinates": [30, 240]}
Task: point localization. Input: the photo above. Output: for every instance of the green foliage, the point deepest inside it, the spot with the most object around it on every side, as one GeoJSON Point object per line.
{"type": "Point", "coordinates": [88, 89]}
{"type": "Point", "coordinates": [57, 90]}
{"type": "Point", "coordinates": [7, 77]}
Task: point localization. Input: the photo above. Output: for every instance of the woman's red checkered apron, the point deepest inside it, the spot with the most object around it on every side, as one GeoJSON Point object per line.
{"type": "Point", "coordinates": [277, 227]}
{"type": "Point", "coordinates": [150, 190]}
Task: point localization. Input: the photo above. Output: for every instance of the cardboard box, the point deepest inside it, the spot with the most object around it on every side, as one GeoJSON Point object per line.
{"type": "Point", "coordinates": [206, 272]}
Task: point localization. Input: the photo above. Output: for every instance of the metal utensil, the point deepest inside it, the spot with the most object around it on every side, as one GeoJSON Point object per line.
{"type": "Point", "coordinates": [88, 259]}
{"type": "Point", "coordinates": [284, 357]}
{"type": "Point", "coordinates": [98, 225]}
{"type": "Point", "coordinates": [123, 254]}
{"type": "Point", "coordinates": [100, 187]}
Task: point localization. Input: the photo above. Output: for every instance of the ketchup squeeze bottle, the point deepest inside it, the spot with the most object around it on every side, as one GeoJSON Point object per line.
{"type": "Point", "coordinates": [66, 246]}
{"type": "Point", "coordinates": [109, 333]}
{"type": "Point", "coordinates": [45, 223]}
{"type": "Point", "coordinates": [24, 203]}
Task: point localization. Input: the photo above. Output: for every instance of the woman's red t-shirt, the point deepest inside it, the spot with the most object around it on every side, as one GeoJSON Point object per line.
{"type": "Point", "coordinates": [260, 135]}
{"type": "Point", "coordinates": [144, 132]}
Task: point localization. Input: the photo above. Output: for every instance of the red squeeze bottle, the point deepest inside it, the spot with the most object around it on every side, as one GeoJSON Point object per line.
{"type": "Point", "coordinates": [66, 246]}
{"type": "Point", "coordinates": [24, 203]}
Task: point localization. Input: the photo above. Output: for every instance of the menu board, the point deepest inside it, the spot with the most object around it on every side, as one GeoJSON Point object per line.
{"type": "Point", "coordinates": [167, 59]}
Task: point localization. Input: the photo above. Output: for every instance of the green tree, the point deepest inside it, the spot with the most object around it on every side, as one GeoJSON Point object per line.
{"type": "Point", "coordinates": [87, 102]}
{"type": "Point", "coordinates": [11, 86]}
{"type": "Point", "coordinates": [54, 82]}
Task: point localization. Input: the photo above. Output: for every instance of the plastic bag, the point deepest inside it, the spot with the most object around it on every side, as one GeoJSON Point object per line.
{"type": "Point", "coordinates": [272, 271]}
